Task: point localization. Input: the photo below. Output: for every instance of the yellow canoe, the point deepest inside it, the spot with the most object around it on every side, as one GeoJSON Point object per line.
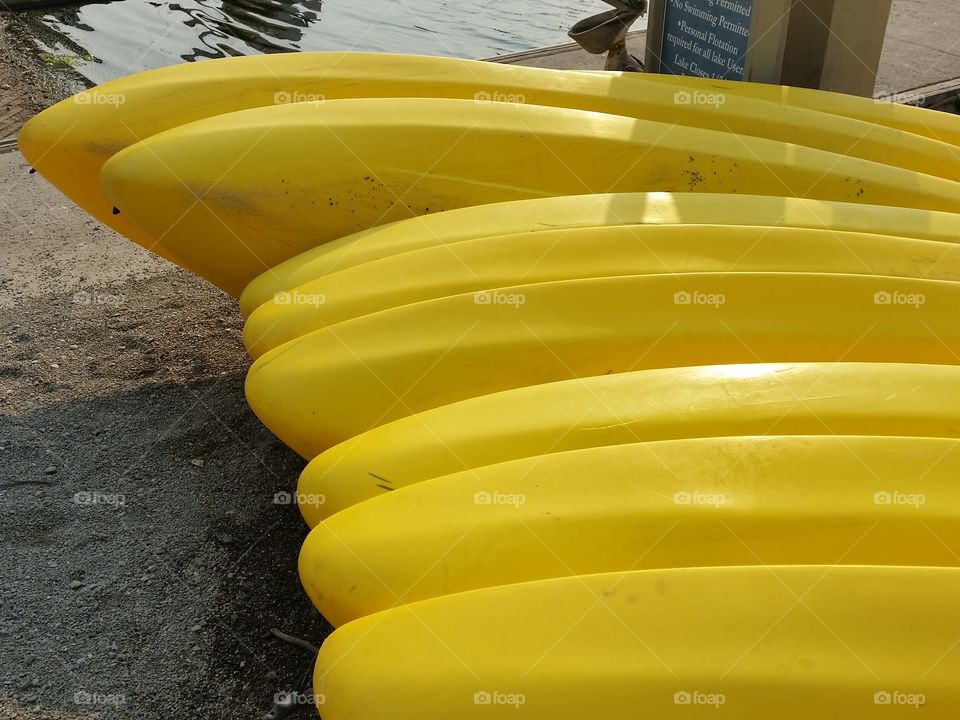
{"type": "Point", "coordinates": [70, 142]}
{"type": "Point", "coordinates": [535, 257]}
{"type": "Point", "coordinates": [594, 211]}
{"type": "Point", "coordinates": [235, 195]}
{"type": "Point", "coordinates": [750, 643]}
{"type": "Point", "coordinates": [329, 385]}
{"type": "Point", "coordinates": [846, 398]}
{"type": "Point", "coordinates": [680, 503]}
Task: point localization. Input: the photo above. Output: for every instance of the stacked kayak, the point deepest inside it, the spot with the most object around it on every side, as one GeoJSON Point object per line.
{"type": "Point", "coordinates": [230, 167]}
{"type": "Point", "coordinates": [612, 403]}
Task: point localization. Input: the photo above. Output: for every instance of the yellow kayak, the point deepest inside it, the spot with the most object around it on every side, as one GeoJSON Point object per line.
{"type": "Point", "coordinates": [70, 142]}
{"type": "Point", "coordinates": [329, 385]}
{"type": "Point", "coordinates": [935, 125]}
{"type": "Point", "coordinates": [795, 399]}
{"type": "Point", "coordinates": [536, 257]}
{"type": "Point", "coordinates": [680, 503]}
{"type": "Point", "coordinates": [594, 211]}
{"type": "Point", "coordinates": [235, 195]}
{"type": "Point", "coordinates": [750, 643]}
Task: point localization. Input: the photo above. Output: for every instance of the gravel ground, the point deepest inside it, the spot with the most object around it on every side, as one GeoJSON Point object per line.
{"type": "Point", "coordinates": [145, 558]}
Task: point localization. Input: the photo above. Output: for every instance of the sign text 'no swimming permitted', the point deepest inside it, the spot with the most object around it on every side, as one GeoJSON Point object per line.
{"type": "Point", "coordinates": [706, 38]}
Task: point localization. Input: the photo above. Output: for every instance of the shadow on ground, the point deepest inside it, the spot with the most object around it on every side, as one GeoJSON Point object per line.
{"type": "Point", "coordinates": [145, 555]}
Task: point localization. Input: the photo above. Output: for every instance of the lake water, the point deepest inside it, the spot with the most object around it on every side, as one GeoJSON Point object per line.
{"type": "Point", "coordinates": [131, 35]}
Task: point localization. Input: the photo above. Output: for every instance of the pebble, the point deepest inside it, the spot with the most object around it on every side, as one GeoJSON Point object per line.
{"type": "Point", "coordinates": [50, 470]}
{"type": "Point", "coordinates": [197, 462]}
{"type": "Point", "coordinates": [75, 585]}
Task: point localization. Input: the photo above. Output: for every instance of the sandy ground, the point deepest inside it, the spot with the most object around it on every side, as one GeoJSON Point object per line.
{"type": "Point", "coordinates": [144, 556]}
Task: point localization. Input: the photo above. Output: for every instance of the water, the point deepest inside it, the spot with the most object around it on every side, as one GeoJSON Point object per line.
{"type": "Point", "coordinates": [133, 35]}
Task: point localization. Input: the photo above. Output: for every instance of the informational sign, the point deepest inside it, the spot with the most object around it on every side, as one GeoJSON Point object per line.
{"type": "Point", "coordinates": [706, 38]}
{"type": "Point", "coordinates": [826, 44]}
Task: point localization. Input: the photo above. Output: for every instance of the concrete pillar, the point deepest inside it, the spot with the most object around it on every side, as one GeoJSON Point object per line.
{"type": "Point", "coordinates": [835, 44]}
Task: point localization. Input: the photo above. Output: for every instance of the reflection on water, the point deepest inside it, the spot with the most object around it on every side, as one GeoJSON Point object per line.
{"type": "Point", "coordinates": [261, 25]}
{"type": "Point", "coordinates": [132, 35]}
